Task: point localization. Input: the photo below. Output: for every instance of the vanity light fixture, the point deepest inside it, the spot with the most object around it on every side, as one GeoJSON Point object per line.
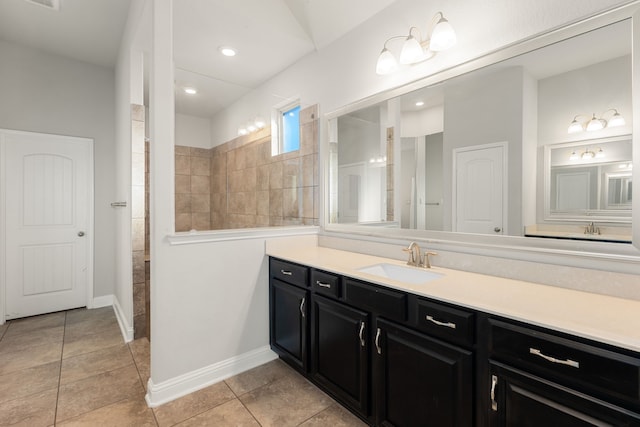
{"type": "Point", "coordinates": [587, 154]}
{"type": "Point", "coordinates": [252, 126]}
{"type": "Point", "coordinates": [596, 123]}
{"type": "Point", "coordinates": [415, 50]}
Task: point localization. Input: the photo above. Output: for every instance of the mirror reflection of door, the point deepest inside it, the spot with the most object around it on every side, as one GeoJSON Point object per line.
{"type": "Point", "coordinates": [479, 187]}
{"type": "Point", "coordinates": [349, 192]}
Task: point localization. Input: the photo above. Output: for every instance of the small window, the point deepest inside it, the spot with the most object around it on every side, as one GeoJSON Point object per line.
{"type": "Point", "coordinates": [291, 130]}
{"type": "Point", "coordinates": [286, 132]}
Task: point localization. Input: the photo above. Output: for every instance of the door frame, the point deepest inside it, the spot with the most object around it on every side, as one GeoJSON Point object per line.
{"type": "Point", "coordinates": [505, 182]}
{"type": "Point", "coordinates": [3, 223]}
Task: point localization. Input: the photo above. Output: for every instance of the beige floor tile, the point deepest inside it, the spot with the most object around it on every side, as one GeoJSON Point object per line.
{"type": "Point", "coordinates": [82, 396]}
{"type": "Point", "coordinates": [90, 364]}
{"type": "Point", "coordinates": [19, 342]}
{"type": "Point", "coordinates": [29, 381]}
{"type": "Point", "coordinates": [193, 404]}
{"type": "Point", "coordinates": [36, 323]}
{"type": "Point", "coordinates": [30, 357]}
{"type": "Point", "coordinates": [35, 410]}
{"type": "Point", "coordinates": [98, 325]}
{"type": "Point", "coordinates": [90, 343]}
{"type": "Point", "coordinates": [286, 402]}
{"type": "Point", "coordinates": [3, 328]}
{"type": "Point", "coordinates": [230, 414]}
{"type": "Point", "coordinates": [258, 377]}
{"type": "Point", "coordinates": [334, 416]}
{"type": "Point", "coordinates": [125, 413]}
{"type": "Point", "coordinates": [82, 314]}
{"type": "Point", "coordinates": [142, 357]}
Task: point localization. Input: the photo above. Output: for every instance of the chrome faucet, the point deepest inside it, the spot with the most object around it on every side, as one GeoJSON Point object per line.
{"type": "Point", "coordinates": [591, 228]}
{"type": "Point", "coordinates": [415, 256]}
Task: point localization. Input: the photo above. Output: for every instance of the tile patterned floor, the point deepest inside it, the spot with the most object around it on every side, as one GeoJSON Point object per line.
{"type": "Point", "coordinates": [73, 369]}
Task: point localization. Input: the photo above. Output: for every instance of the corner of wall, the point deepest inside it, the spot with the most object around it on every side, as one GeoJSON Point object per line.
{"type": "Point", "coordinates": [125, 327]}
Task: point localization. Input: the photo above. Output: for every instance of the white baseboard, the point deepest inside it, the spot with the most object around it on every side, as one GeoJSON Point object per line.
{"type": "Point", "coordinates": [103, 301]}
{"type": "Point", "coordinates": [166, 391]}
{"type": "Point", "coordinates": [125, 327]}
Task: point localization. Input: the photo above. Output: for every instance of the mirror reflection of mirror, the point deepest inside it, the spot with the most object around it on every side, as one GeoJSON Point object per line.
{"type": "Point", "coordinates": [470, 150]}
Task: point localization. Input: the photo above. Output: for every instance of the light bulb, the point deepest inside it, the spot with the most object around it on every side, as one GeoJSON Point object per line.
{"type": "Point", "coordinates": [616, 120]}
{"type": "Point", "coordinates": [411, 51]}
{"type": "Point", "coordinates": [575, 127]}
{"type": "Point", "coordinates": [443, 36]}
{"type": "Point", "coordinates": [595, 124]}
{"type": "Point", "coordinates": [386, 63]}
{"type": "Point", "coordinates": [259, 122]}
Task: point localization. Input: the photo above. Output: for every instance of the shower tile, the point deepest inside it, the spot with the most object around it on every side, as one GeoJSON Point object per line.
{"type": "Point", "coordinates": [183, 150]}
{"type": "Point", "coordinates": [309, 114]}
{"type": "Point", "coordinates": [199, 152]}
{"type": "Point", "coordinates": [250, 153]}
{"type": "Point", "coordinates": [183, 222]}
{"type": "Point", "coordinates": [262, 221]}
{"type": "Point", "coordinates": [231, 160]}
{"type": "Point", "coordinates": [262, 177]}
{"type": "Point", "coordinates": [219, 164]}
{"type": "Point", "coordinates": [183, 203]}
{"type": "Point", "coordinates": [316, 202]}
{"type": "Point", "coordinates": [200, 203]}
{"type": "Point", "coordinates": [137, 258]}
{"type": "Point", "coordinates": [263, 155]}
{"type": "Point", "coordinates": [309, 138]}
{"type": "Point", "coordinates": [219, 183]}
{"type": "Point", "coordinates": [242, 203]}
{"type": "Point", "coordinates": [275, 175]}
{"type": "Point", "coordinates": [307, 202]}
{"type": "Point", "coordinates": [137, 234]}
{"type": "Point", "coordinates": [241, 221]}
{"type": "Point", "coordinates": [139, 298]}
{"type": "Point", "coordinates": [292, 174]}
{"type": "Point", "coordinates": [262, 203]}
{"type": "Point", "coordinates": [307, 171]}
{"type": "Point", "coordinates": [292, 202]}
{"type": "Point", "coordinates": [276, 221]}
{"type": "Point", "coordinates": [201, 221]}
{"type": "Point", "coordinates": [275, 203]}
{"type": "Point", "coordinates": [200, 166]}
{"type": "Point", "coordinates": [183, 183]}
{"type": "Point", "coordinates": [200, 184]}
{"type": "Point", "coordinates": [182, 165]}
{"type": "Point", "coordinates": [137, 168]}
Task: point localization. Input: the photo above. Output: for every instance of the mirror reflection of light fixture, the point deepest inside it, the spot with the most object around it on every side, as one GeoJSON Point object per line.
{"type": "Point", "coordinates": [252, 126]}
{"type": "Point", "coordinates": [415, 50]}
{"type": "Point", "coordinates": [587, 154]}
{"type": "Point", "coordinates": [596, 123]}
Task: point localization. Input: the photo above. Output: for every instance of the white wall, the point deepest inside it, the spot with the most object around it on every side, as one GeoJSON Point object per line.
{"type": "Point", "coordinates": [200, 304]}
{"type": "Point", "coordinates": [40, 92]}
{"type": "Point", "coordinates": [192, 131]}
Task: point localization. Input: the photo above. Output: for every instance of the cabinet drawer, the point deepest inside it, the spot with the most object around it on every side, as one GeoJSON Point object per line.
{"type": "Point", "coordinates": [386, 302]}
{"type": "Point", "coordinates": [325, 283]}
{"type": "Point", "coordinates": [580, 365]}
{"type": "Point", "coordinates": [446, 322]}
{"type": "Point", "coordinates": [289, 272]}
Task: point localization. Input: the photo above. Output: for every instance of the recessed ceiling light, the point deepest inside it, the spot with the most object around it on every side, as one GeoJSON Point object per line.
{"type": "Point", "coordinates": [419, 103]}
{"type": "Point", "coordinates": [227, 51]}
{"type": "Point", "coordinates": [190, 90]}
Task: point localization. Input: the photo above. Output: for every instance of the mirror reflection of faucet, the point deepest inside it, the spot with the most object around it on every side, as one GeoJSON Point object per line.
{"type": "Point", "coordinates": [415, 256]}
{"type": "Point", "coordinates": [591, 228]}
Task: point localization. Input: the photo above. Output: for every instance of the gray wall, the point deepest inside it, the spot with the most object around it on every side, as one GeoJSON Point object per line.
{"type": "Point", "coordinates": [44, 93]}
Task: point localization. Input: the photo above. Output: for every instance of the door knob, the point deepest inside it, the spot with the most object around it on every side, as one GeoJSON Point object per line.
{"type": "Point", "coordinates": [80, 233]}
{"type": "Point", "coordinates": [497, 229]}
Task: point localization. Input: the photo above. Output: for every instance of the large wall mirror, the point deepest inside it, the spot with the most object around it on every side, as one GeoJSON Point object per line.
{"type": "Point", "coordinates": [488, 151]}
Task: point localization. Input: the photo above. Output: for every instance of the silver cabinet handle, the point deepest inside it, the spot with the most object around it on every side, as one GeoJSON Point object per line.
{"type": "Point", "coordinates": [286, 273]}
{"type": "Point", "coordinates": [323, 285]}
{"type": "Point", "coordinates": [437, 322]}
{"type": "Point", "coordinates": [361, 334]}
{"type": "Point", "coordinates": [494, 383]}
{"type": "Point", "coordinates": [378, 341]}
{"type": "Point", "coordinates": [567, 362]}
{"type": "Point", "coordinates": [302, 307]}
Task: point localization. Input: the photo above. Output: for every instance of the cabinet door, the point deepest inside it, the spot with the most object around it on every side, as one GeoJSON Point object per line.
{"type": "Point", "coordinates": [521, 399]}
{"type": "Point", "coordinates": [421, 381]}
{"type": "Point", "coordinates": [288, 326]}
{"type": "Point", "coordinates": [340, 351]}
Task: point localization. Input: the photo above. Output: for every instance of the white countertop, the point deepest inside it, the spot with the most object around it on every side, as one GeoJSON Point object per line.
{"type": "Point", "coordinates": [611, 320]}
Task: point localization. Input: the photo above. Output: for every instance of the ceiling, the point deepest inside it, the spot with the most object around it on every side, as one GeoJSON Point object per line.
{"type": "Point", "coordinates": [269, 35]}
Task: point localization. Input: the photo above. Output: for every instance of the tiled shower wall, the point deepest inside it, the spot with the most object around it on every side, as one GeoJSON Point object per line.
{"type": "Point", "coordinates": [245, 185]}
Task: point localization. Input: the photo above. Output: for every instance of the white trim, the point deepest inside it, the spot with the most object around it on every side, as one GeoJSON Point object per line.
{"type": "Point", "coordinates": [125, 328]}
{"type": "Point", "coordinates": [99, 302]}
{"type": "Point", "coordinates": [3, 236]}
{"type": "Point", "coordinates": [188, 238]}
{"type": "Point", "coordinates": [174, 388]}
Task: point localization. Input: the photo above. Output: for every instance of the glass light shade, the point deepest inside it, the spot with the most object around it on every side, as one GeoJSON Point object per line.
{"type": "Point", "coordinates": [575, 127]}
{"type": "Point", "coordinates": [242, 131]}
{"type": "Point", "coordinates": [594, 124]}
{"type": "Point", "coordinates": [600, 153]}
{"type": "Point", "coordinates": [259, 122]}
{"type": "Point", "coordinates": [411, 51]}
{"type": "Point", "coordinates": [386, 62]}
{"type": "Point", "coordinates": [251, 127]}
{"type": "Point", "coordinates": [616, 120]}
{"type": "Point", "coordinates": [443, 36]}
{"type": "Point", "coordinates": [588, 155]}
{"type": "Point", "coordinates": [574, 156]}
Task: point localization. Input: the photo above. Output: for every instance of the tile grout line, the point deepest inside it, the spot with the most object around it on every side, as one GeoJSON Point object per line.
{"type": "Point", "coordinates": [64, 329]}
{"type": "Point", "coordinates": [242, 403]}
{"type": "Point", "coordinates": [142, 381]}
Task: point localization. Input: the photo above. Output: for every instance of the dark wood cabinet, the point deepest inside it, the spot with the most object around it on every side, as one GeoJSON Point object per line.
{"type": "Point", "coordinates": [288, 325]}
{"type": "Point", "coordinates": [340, 352]}
{"type": "Point", "coordinates": [421, 381]}
{"type": "Point", "coordinates": [523, 399]}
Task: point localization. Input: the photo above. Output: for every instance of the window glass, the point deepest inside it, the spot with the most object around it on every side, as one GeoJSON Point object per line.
{"type": "Point", "coordinates": [291, 130]}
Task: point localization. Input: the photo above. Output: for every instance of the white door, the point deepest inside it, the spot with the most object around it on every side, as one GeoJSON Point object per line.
{"type": "Point", "coordinates": [350, 193]}
{"type": "Point", "coordinates": [48, 182]}
{"type": "Point", "coordinates": [480, 189]}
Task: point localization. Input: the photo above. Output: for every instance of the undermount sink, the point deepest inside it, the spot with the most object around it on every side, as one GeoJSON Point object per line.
{"type": "Point", "coordinates": [401, 273]}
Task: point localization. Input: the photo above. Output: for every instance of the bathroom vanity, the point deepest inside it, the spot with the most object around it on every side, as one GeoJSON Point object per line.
{"type": "Point", "coordinates": [459, 349]}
